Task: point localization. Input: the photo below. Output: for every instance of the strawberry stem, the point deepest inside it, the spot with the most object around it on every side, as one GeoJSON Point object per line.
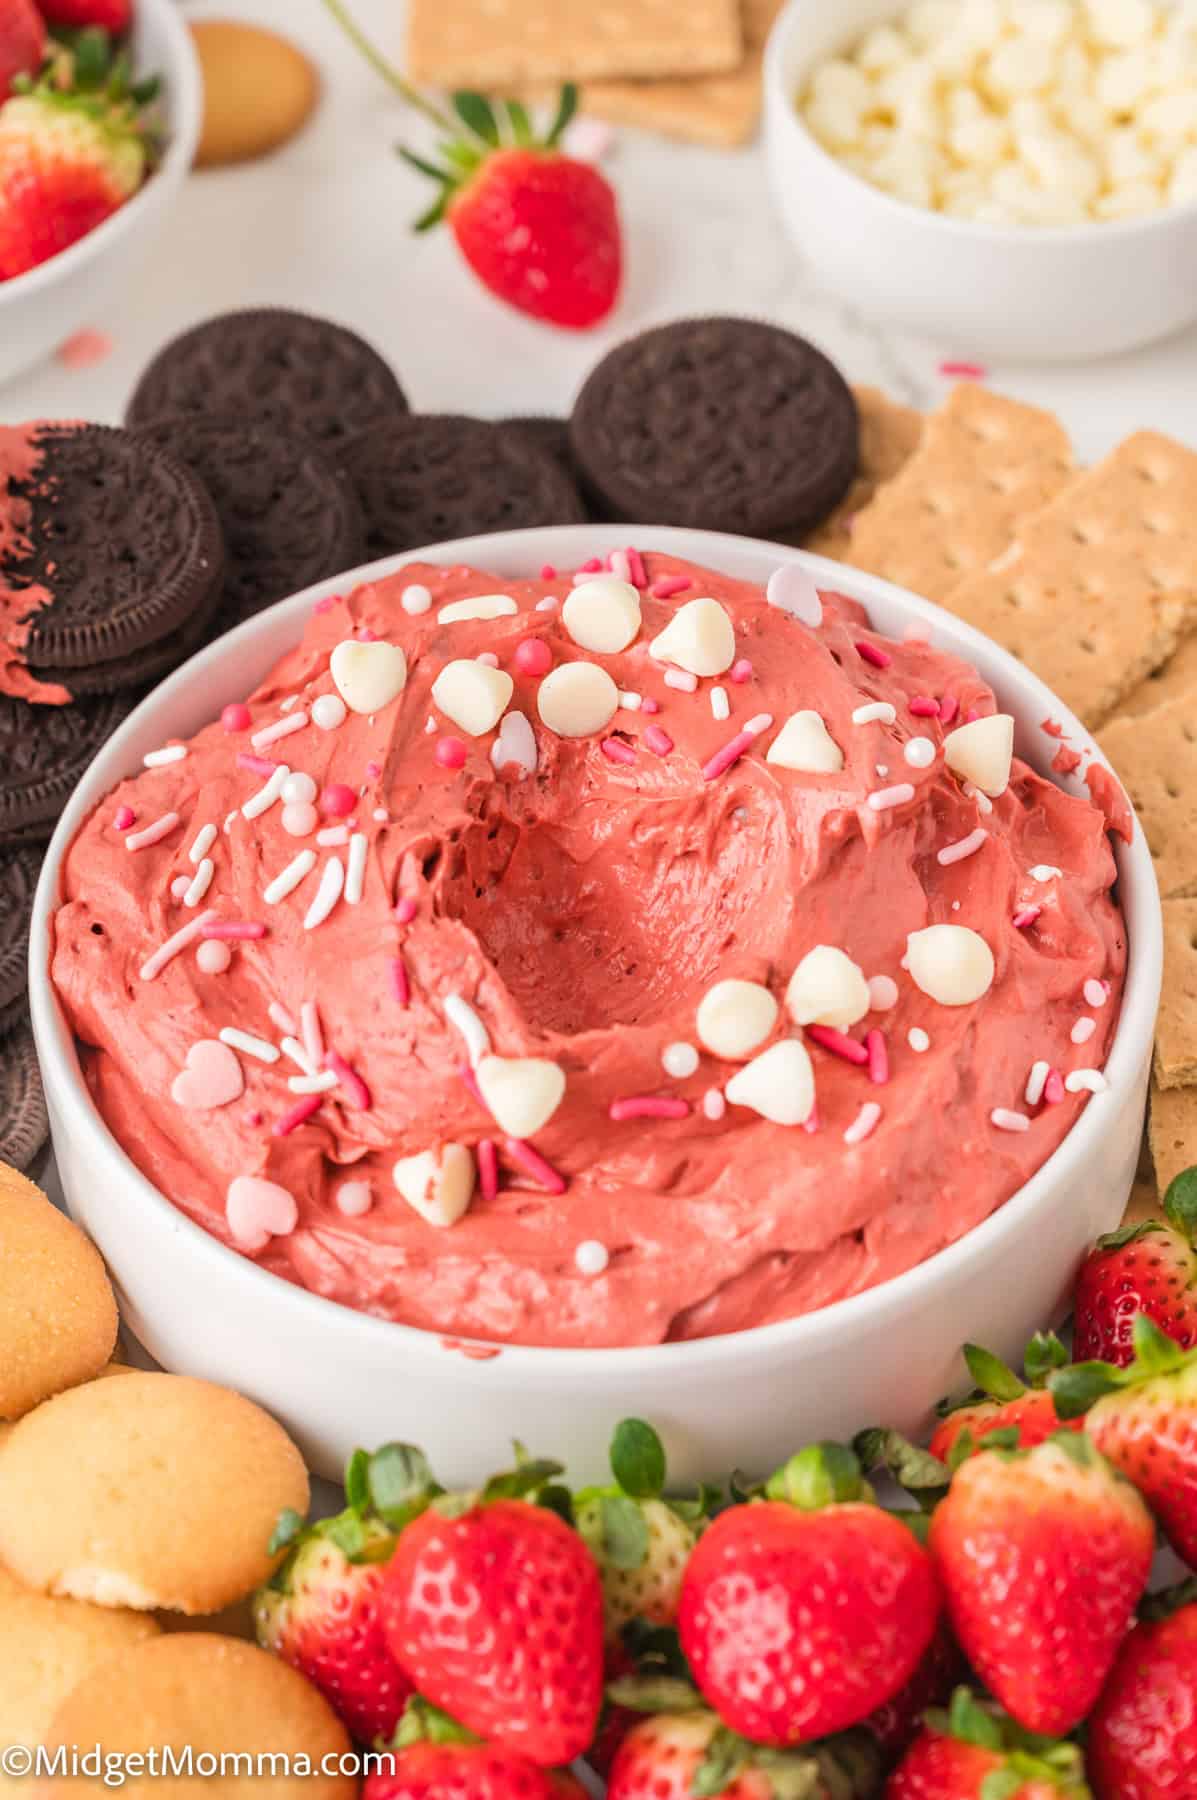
{"type": "Point", "coordinates": [384, 67]}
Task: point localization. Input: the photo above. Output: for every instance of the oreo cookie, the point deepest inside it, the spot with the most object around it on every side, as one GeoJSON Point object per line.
{"type": "Point", "coordinates": [24, 1122]}
{"type": "Point", "coordinates": [551, 435]}
{"type": "Point", "coordinates": [128, 545]}
{"type": "Point", "coordinates": [725, 423]}
{"type": "Point", "coordinates": [19, 871]}
{"type": "Point", "coordinates": [422, 480]}
{"type": "Point", "coordinates": [302, 373]}
{"type": "Point", "coordinates": [43, 752]}
{"type": "Point", "coordinates": [288, 514]}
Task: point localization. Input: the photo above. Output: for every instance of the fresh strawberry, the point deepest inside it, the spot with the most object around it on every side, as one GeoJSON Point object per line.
{"type": "Point", "coordinates": [432, 1757]}
{"type": "Point", "coordinates": [1001, 1402]}
{"type": "Point", "coordinates": [896, 1724]}
{"type": "Point", "coordinates": [320, 1612]}
{"type": "Point", "coordinates": [816, 1587]}
{"type": "Point", "coordinates": [1144, 1419]}
{"type": "Point", "coordinates": [115, 16]}
{"type": "Point", "coordinates": [1142, 1738]}
{"type": "Point", "coordinates": [675, 1756]}
{"type": "Point", "coordinates": [496, 1614]}
{"type": "Point", "coordinates": [973, 1753]}
{"type": "Point", "coordinates": [22, 42]}
{"type": "Point", "coordinates": [1043, 1554]}
{"type": "Point", "coordinates": [1150, 1268]}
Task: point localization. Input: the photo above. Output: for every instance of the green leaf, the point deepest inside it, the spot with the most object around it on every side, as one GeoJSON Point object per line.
{"type": "Point", "coordinates": [741, 1487]}
{"type": "Point", "coordinates": [567, 106]}
{"type": "Point", "coordinates": [347, 1532]}
{"type": "Point", "coordinates": [1081, 1386]}
{"type": "Point", "coordinates": [147, 91]}
{"type": "Point", "coordinates": [423, 1723]}
{"type": "Point", "coordinates": [462, 158]}
{"type": "Point", "coordinates": [357, 1481]}
{"type": "Point", "coordinates": [477, 115]}
{"type": "Point", "coordinates": [1180, 1203]}
{"type": "Point", "coordinates": [992, 1375]}
{"type": "Point", "coordinates": [1155, 1352]}
{"type": "Point", "coordinates": [725, 1756]}
{"type": "Point", "coordinates": [92, 51]}
{"type": "Point", "coordinates": [557, 1499]}
{"type": "Point", "coordinates": [420, 163]}
{"type": "Point", "coordinates": [1001, 1437]}
{"type": "Point", "coordinates": [525, 1479]}
{"type": "Point", "coordinates": [521, 124]}
{"type": "Point", "coordinates": [655, 1694]}
{"type": "Point", "coordinates": [1001, 1784]}
{"type": "Point", "coordinates": [915, 1470]}
{"type": "Point", "coordinates": [1127, 1234]}
{"type": "Point", "coordinates": [969, 1721]}
{"type": "Point", "coordinates": [625, 1532]}
{"type": "Point", "coordinates": [287, 1528]}
{"type": "Point", "coordinates": [700, 1507]}
{"type": "Point", "coordinates": [820, 1475]}
{"type": "Point", "coordinates": [400, 1483]}
{"type": "Point", "coordinates": [1044, 1353]}
{"type": "Point", "coordinates": [638, 1459]}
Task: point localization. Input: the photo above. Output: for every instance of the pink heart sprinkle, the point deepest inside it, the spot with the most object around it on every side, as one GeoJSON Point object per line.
{"type": "Point", "coordinates": [212, 1077]}
{"type": "Point", "coordinates": [258, 1210]}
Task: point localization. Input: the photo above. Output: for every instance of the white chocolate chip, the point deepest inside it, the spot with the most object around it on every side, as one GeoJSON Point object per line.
{"type": "Point", "coordinates": [779, 1084]}
{"type": "Point", "coordinates": [827, 988]}
{"type": "Point", "coordinates": [437, 1186]}
{"type": "Point", "coordinates": [515, 744]}
{"type": "Point", "coordinates": [481, 606]}
{"type": "Point", "coordinates": [805, 744]}
{"type": "Point", "coordinates": [700, 638]}
{"type": "Point", "coordinates": [521, 1092]}
{"type": "Point", "coordinates": [791, 590]}
{"type": "Point", "coordinates": [950, 963]}
{"type": "Point", "coordinates": [734, 1018]}
{"type": "Point", "coordinates": [472, 695]}
{"type": "Point", "coordinates": [982, 753]}
{"type": "Point", "coordinates": [602, 615]}
{"type": "Point", "coordinates": [577, 699]}
{"type": "Point", "coordinates": [368, 676]}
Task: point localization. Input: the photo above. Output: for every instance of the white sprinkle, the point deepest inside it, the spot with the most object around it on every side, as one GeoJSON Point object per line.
{"type": "Point", "coordinates": [883, 993]}
{"type": "Point", "coordinates": [591, 1257]}
{"type": "Point", "coordinates": [629, 701]}
{"type": "Point", "coordinates": [918, 1040]}
{"type": "Point", "coordinates": [1096, 993]}
{"type": "Point", "coordinates": [299, 790]}
{"type": "Point", "coordinates": [713, 1104]}
{"type": "Point", "coordinates": [968, 846]}
{"type": "Point", "coordinates": [152, 834]}
{"type": "Point", "coordinates": [1086, 1081]}
{"type": "Point", "coordinates": [286, 705]}
{"type": "Point", "coordinates": [884, 799]}
{"type": "Point", "coordinates": [355, 875]}
{"type": "Point", "coordinates": [332, 883]}
{"type": "Point", "coordinates": [864, 1122]}
{"type": "Point", "coordinates": [286, 882]}
{"type": "Point", "coordinates": [281, 1017]}
{"type": "Point", "coordinates": [266, 796]}
{"type": "Point", "coordinates": [877, 711]}
{"type": "Point", "coordinates": [720, 704]}
{"type": "Point", "coordinates": [200, 882]}
{"type": "Point", "coordinates": [1045, 872]}
{"type": "Point", "coordinates": [228, 823]}
{"type": "Point", "coordinates": [158, 759]}
{"type": "Point", "coordinates": [1036, 1082]}
{"type": "Point", "coordinates": [955, 906]}
{"type": "Point", "coordinates": [170, 949]}
{"type": "Point", "coordinates": [919, 752]}
{"type": "Point", "coordinates": [550, 603]}
{"type": "Point", "coordinates": [1083, 1030]}
{"type": "Point", "coordinates": [329, 711]}
{"type": "Point", "coordinates": [430, 726]}
{"type": "Point", "coordinates": [381, 816]}
{"type": "Point", "coordinates": [312, 1084]}
{"type": "Point", "coordinates": [179, 886]}
{"type": "Point", "coordinates": [1005, 1120]}
{"type": "Point", "coordinates": [313, 1037]}
{"type": "Point", "coordinates": [204, 840]}
{"type": "Point", "coordinates": [281, 728]}
{"type": "Point", "coordinates": [759, 724]}
{"type": "Point", "coordinates": [682, 680]}
{"type": "Point", "coordinates": [332, 836]}
{"type": "Point", "coordinates": [983, 802]}
{"type": "Point", "coordinates": [465, 1020]}
{"type": "Point", "coordinates": [882, 769]}
{"type": "Point", "coordinates": [248, 1046]}
{"type": "Point", "coordinates": [679, 1060]}
{"type": "Point", "coordinates": [618, 564]}
{"type": "Point", "coordinates": [299, 1056]}
{"type": "Point", "coordinates": [415, 599]}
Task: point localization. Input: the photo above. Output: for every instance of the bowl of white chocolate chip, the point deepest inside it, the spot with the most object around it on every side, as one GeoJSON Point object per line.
{"type": "Point", "coordinates": [1014, 177]}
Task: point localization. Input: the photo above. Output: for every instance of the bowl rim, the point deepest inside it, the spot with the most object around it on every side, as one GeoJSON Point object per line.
{"type": "Point", "coordinates": [244, 1282]}
{"type": "Point", "coordinates": [183, 94]}
{"type": "Point", "coordinates": [781, 105]}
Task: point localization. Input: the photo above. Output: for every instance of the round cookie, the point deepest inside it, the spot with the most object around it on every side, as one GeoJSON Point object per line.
{"type": "Point", "coordinates": [174, 1489]}
{"type": "Point", "coordinates": [24, 1121]}
{"type": "Point", "coordinates": [10, 1587]}
{"type": "Point", "coordinates": [47, 1647]}
{"type": "Point", "coordinates": [306, 374]}
{"type": "Point", "coordinates": [43, 752]}
{"type": "Point", "coordinates": [552, 435]}
{"type": "Point", "coordinates": [288, 515]}
{"type": "Point", "coordinates": [58, 1314]}
{"type": "Point", "coordinates": [422, 480]}
{"type": "Point", "coordinates": [724, 423]}
{"type": "Point", "coordinates": [215, 1697]}
{"type": "Point", "coordinates": [259, 91]}
{"type": "Point", "coordinates": [19, 871]}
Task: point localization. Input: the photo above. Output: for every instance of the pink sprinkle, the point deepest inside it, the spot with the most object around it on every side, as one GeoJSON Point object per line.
{"type": "Point", "coordinates": [828, 1038]}
{"type": "Point", "coordinates": [548, 572]}
{"type": "Point", "coordinates": [488, 1167]}
{"type": "Point", "coordinates": [450, 753]}
{"type": "Point", "coordinates": [924, 707]}
{"type": "Point", "coordinates": [1025, 916]}
{"type": "Point", "coordinates": [666, 586]}
{"type": "Point", "coordinates": [153, 834]}
{"type": "Point", "coordinates": [526, 1157]}
{"type": "Point", "coordinates": [878, 1056]}
{"type": "Point", "coordinates": [740, 672]}
{"type": "Point", "coordinates": [967, 846]}
{"type": "Point", "coordinates": [864, 1123]}
{"type": "Point", "coordinates": [971, 716]}
{"type": "Point", "coordinates": [649, 705]}
{"type": "Point", "coordinates": [869, 653]}
{"type": "Point", "coordinates": [233, 929]}
{"type": "Point", "coordinates": [287, 726]}
{"type": "Point", "coordinates": [236, 717]}
{"type": "Point", "coordinates": [257, 765]}
{"type": "Point", "coordinates": [299, 1114]}
{"type": "Point", "coordinates": [350, 1080]}
{"type": "Point", "coordinates": [618, 564]}
{"type": "Point", "coordinates": [658, 741]}
{"type": "Point", "coordinates": [125, 816]}
{"type": "Point", "coordinates": [593, 567]}
{"type": "Point", "coordinates": [364, 635]}
{"type": "Point", "coordinates": [471, 1082]}
{"type": "Point", "coordinates": [405, 910]}
{"type": "Point", "coordinates": [373, 771]}
{"type": "Point", "coordinates": [885, 799]}
{"type": "Point", "coordinates": [1053, 1088]}
{"type": "Point", "coordinates": [253, 1118]}
{"type": "Point", "coordinates": [533, 657]}
{"type": "Point", "coordinates": [400, 985]}
{"type": "Point", "coordinates": [616, 751]}
{"type": "Point", "coordinates": [949, 706]}
{"type": "Point", "coordinates": [648, 1106]}
{"type": "Point", "coordinates": [85, 349]}
{"type": "Point", "coordinates": [682, 680]}
{"type": "Point", "coordinates": [963, 371]}
{"type": "Point", "coordinates": [637, 573]}
{"type": "Point", "coordinates": [731, 753]}
{"type": "Point", "coordinates": [337, 800]}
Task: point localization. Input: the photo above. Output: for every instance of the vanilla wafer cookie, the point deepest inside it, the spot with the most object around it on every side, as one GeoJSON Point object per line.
{"type": "Point", "coordinates": [1172, 1131]}
{"type": "Point", "coordinates": [1173, 680]}
{"type": "Point", "coordinates": [889, 437]}
{"type": "Point", "coordinates": [457, 43]}
{"type": "Point", "coordinates": [1176, 1026]}
{"type": "Point", "coordinates": [1155, 758]}
{"type": "Point", "coordinates": [983, 463]}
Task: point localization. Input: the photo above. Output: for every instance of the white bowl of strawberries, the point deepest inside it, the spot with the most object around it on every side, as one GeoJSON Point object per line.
{"type": "Point", "coordinates": [90, 158]}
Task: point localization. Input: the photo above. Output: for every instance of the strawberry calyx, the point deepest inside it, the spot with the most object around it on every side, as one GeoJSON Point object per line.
{"type": "Point", "coordinates": [1026, 1755]}
{"type": "Point", "coordinates": [616, 1525]}
{"type": "Point", "coordinates": [818, 1476]}
{"type": "Point", "coordinates": [93, 79]}
{"type": "Point", "coordinates": [1180, 1205]}
{"type": "Point", "coordinates": [1079, 1386]}
{"type": "Point", "coordinates": [839, 1768]}
{"type": "Point", "coordinates": [995, 1380]}
{"type": "Point", "coordinates": [423, 1723]}
{"type": "Point", "coordinates": [532, 1478]}
{"type": "Point", "coordinates": [384, 1492]}
{"type": "Point", "coordinates": [489, 128]}
{"type": "Point", "coordinates": [915, 1470]}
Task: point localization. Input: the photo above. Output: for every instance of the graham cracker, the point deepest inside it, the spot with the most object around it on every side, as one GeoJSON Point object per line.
{"type": "Point", "coordinates": [1155, 757]}
{"type": "Point", "coordinates": [889, 437]}
{"type": "Point", "coordinates": [1176, 1026]}
{"type": "Point", "coordinates": [1172, 1129]}
{"type": "Point", "coordinates": [983, 463]}
{"type": "Point", "coordinates": [501, 43]}
{"type": "Point", "coordinates": [1100, 585]}
{"type": "Point", "coordinates": [1176, 679]}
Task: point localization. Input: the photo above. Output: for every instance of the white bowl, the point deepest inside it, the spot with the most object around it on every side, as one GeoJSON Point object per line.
{"type": "Point", "coordinates": [1030, 293]}
{"type": "Point", "coordinates": [339, 1379]}
{"type": "Point", "coordinates": [40, 310]}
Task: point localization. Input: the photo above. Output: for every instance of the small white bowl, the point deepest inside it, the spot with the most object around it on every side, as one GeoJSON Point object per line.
{"type": "Point", "coordinates": [1029, 293]}
{"type": "Point", "coordinates": [339, 1379]}
{"type": "Point", "coordinates": [42, 309]}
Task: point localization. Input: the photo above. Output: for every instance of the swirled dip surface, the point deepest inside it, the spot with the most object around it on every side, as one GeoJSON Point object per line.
{"type": "Point", "coordinates": [581, 911]}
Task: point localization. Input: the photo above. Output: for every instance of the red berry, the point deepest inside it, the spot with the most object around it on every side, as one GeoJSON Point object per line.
{"type": "Point", "coordinates": [1149, 1268]}
{"type": "Point", "coordinates": [1033, 1416]}
{"type": "Point", "coordinates": [65, 166]}
{"type": "Point", "coordinates": [1142, 1740]}
{"type": "Point", "coordinates": [22, 42]}
{"type": "Point", "coordinates": [466, 1772]}
{"type": "Point", "coordinates": [115, 16]}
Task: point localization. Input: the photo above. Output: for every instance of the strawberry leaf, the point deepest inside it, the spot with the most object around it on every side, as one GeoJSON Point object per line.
{"type": "Point", "coordinates": [401, 1484]}
{"type": "Point", "coordinates": [1044, 1353]}
{"type": "Point", "coordinates": [567, 106]}
{"type": "Point", "coordinates": [521, 124]}
{"type": "Point", "coordinates": [916, 1470]}
{"type": "Point", "coordinates": [1001, 1784]}
{"type": "Point", "coordinates": [1180, 1203]}
{"type": "Point", "coordinates": [970, 1723]}
{"type": "Point", "coordinates": [528, 1478]}
{"type": "Point", "coordinates": [1081, 1386]}
{"type": "Point", "coordinates": [992, 1375]}
{"type": "Point", "coordinates": [725, 1756]}
{"type": "Point", "coordinates": [477, 115]}
{"type": "Point", "coordinates": [357, 1481]}
{"type": "Point", "coordinates": [819, 1475]}
{"type": "Point", "coordinates": [638, 1459]}
{"type": "Point", "coordinates": [286, 1530]}
{"type": "Point", "coordinates": [625, 1532]}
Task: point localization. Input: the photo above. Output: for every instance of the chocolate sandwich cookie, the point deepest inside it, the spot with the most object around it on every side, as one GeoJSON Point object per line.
{"type": "Point", "coordinates": [126, 543]}
{"type": "Point", "coordinates": [306, 374]}
{"type": "Point", "coordinates": [18, 878]}
{"type": "Point", "coordinates": [552, 435]}
{"type": "Point", "coordinates": [24, 1123]}
{"type": "Point", "coordinates": [43, 752]}
{"type": "Point", "coordinates": [725, 423]}
{"type": "Point", "coordinates": [422, 480]}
